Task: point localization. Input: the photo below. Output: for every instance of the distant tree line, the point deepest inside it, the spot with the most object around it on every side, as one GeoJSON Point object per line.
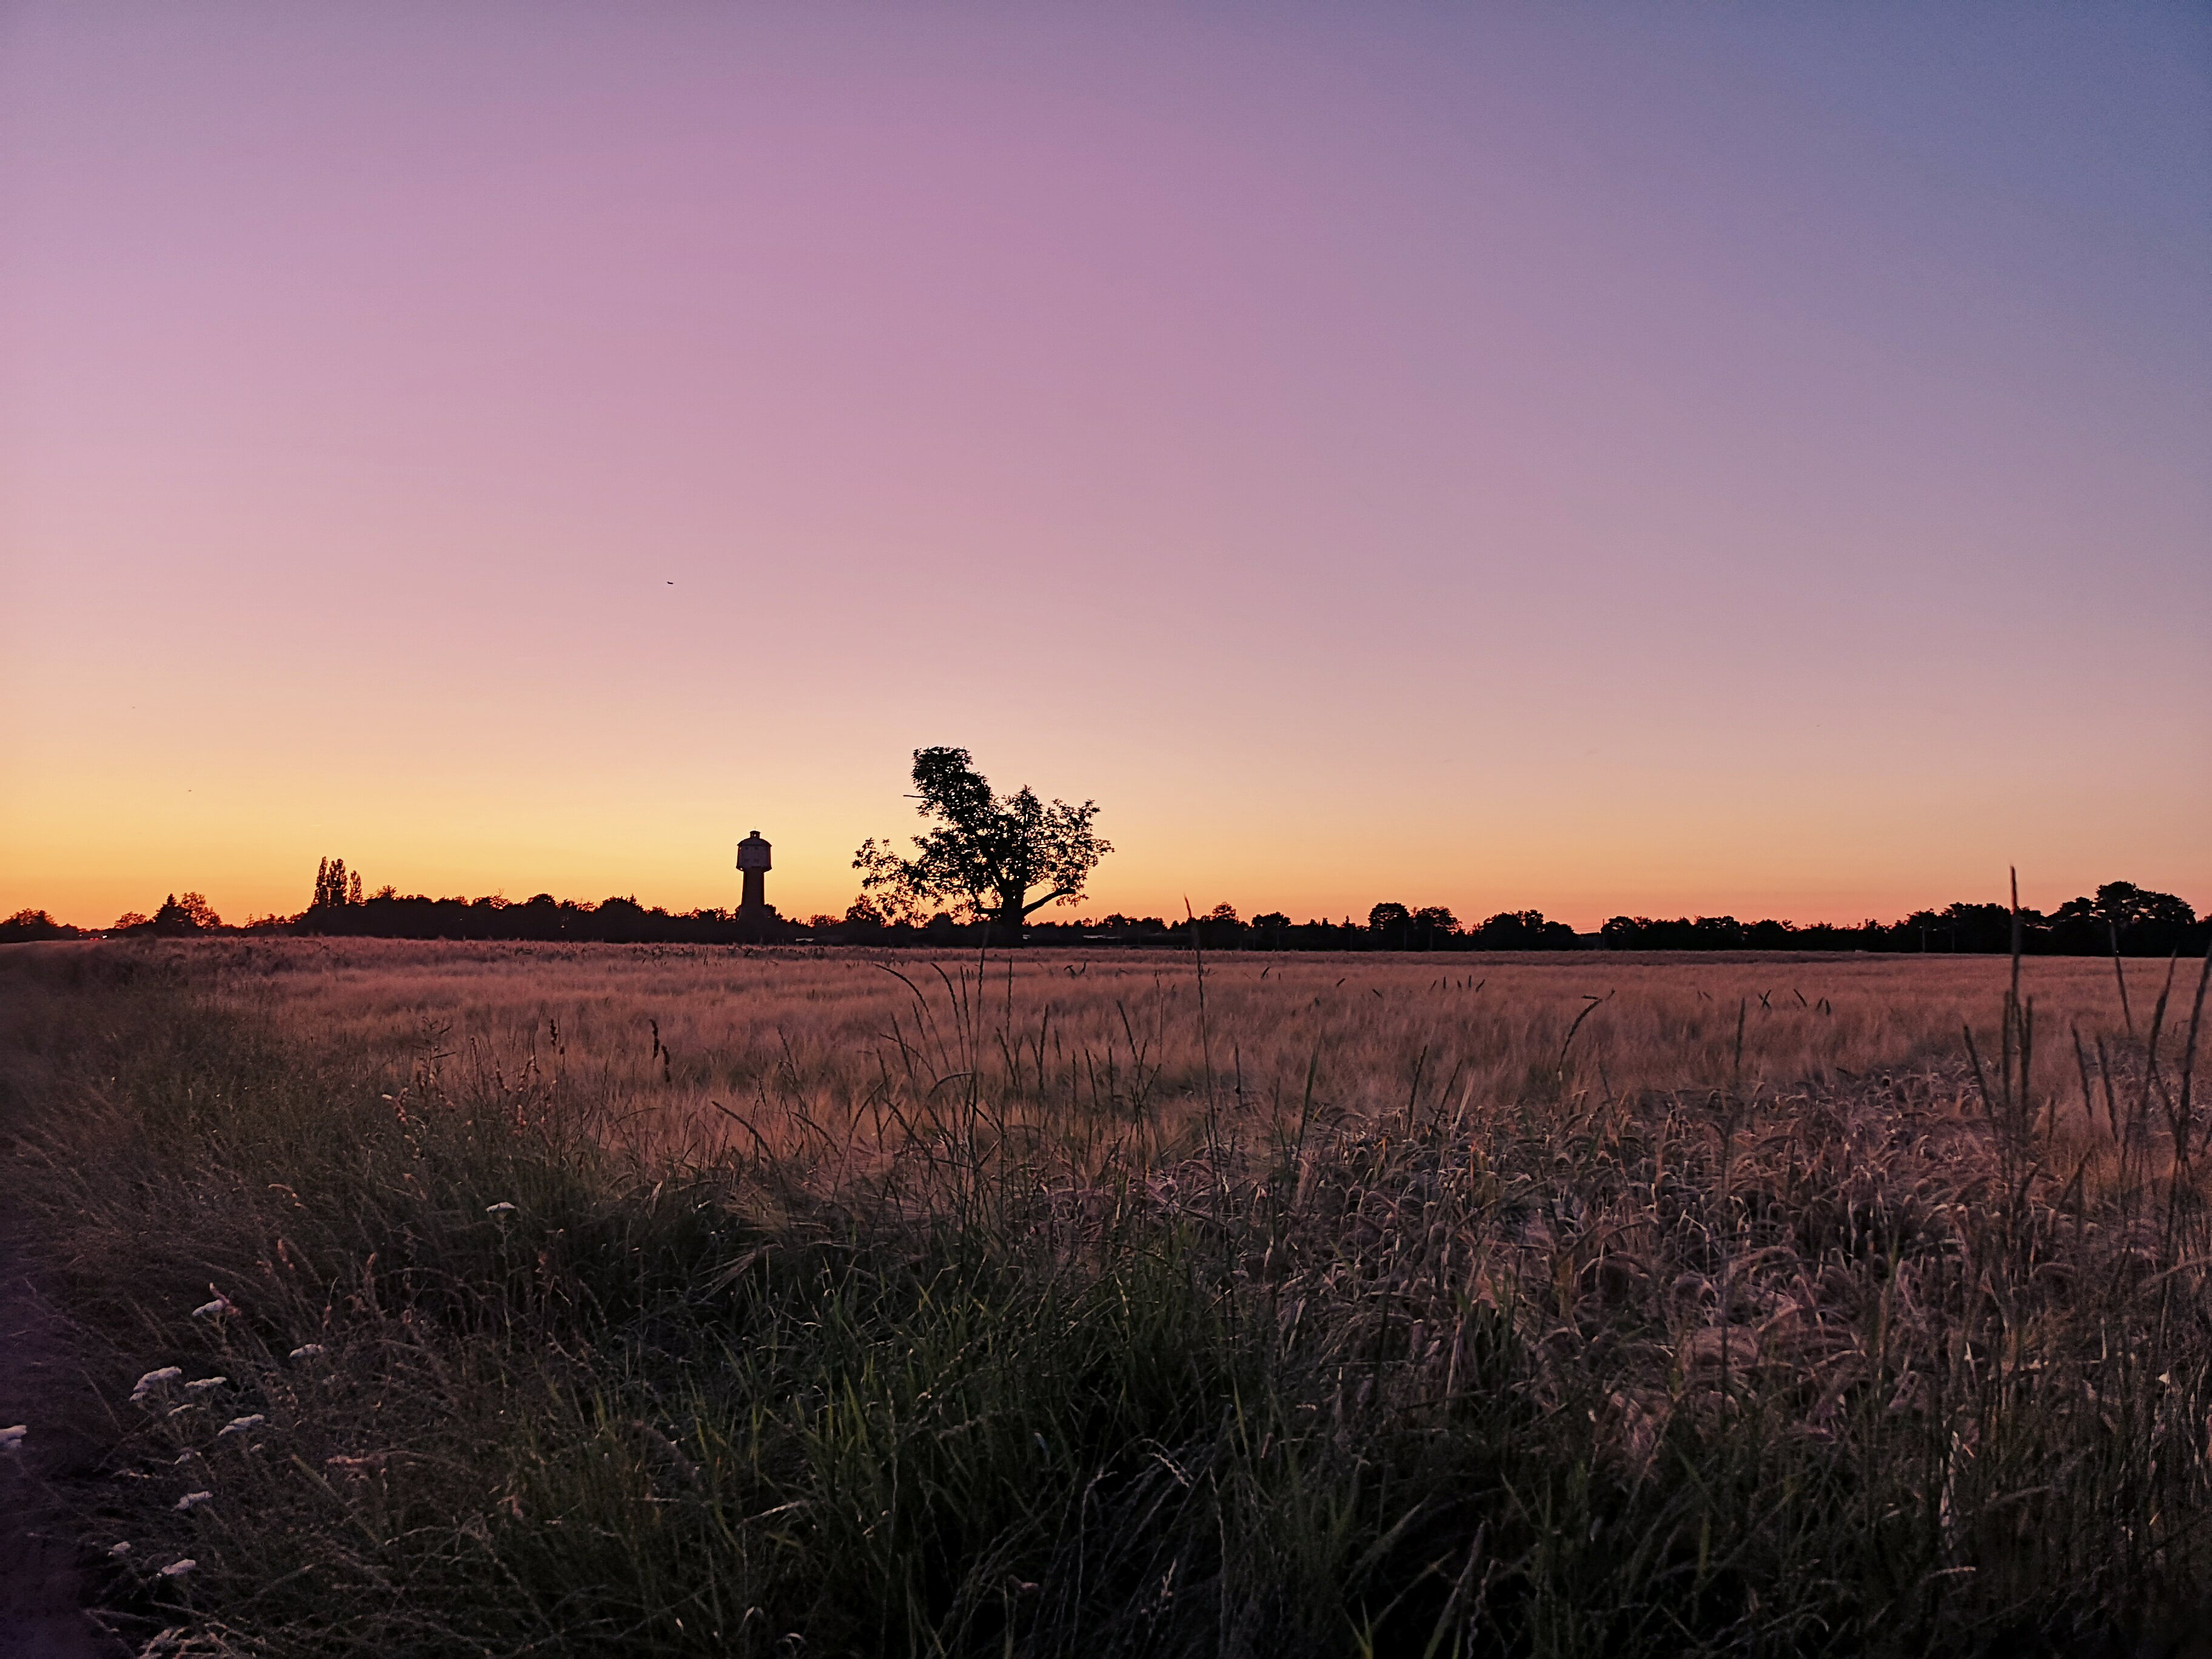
{"type": "Point", "coordinates": [178, 916]}
{"type": "Point", "coordinates": [1389, 926]}
{"type": "Point", "coordinates": [620, 920]}
{"type": "Point", "coordinates": [2122, 916]}
{"type": "Point", "coordinates": [385, 914]}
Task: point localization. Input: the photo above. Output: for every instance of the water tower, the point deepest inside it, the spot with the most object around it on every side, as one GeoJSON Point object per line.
{"type": "Point", "coordinates": [752, 859]}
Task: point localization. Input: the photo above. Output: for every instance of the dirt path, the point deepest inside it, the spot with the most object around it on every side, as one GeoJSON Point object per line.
{"type": "Point", "coordinates": [40, 1589]}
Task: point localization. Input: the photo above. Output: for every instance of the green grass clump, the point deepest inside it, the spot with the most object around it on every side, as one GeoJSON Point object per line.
{"type": "Point", "coordinates": [1759, 1375]}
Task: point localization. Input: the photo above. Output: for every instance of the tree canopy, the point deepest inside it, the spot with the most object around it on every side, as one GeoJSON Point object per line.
{"type": "Point", "coordinates": [334, 887]}
{"type": "Point", "coordinates": [986, 852]}
{"type": "Point", "coordinates": [189, 913]}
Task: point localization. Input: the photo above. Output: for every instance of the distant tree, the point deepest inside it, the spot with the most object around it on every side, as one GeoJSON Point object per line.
{"type": "Point", "coordinates": [35, 924]}
{"type": "Point", "coordinates": [1390, 924]}
{"type": "Point", "coordinates": [2126, 916]}
{"type": "Point", "coordinates": [335, 887]}
{"type": "Point", "coordinates": [2126, 905]}
{"type": "Point", "coordinates": [1271, 928]}
{"type": "Point", "coordinates": [1218, 929]}
{"type": "Point", "coordinates": [1524, 930]}
{"type": "Point", "coordinates": [1433, 925]}
{"type": "Point", "coordinates": [189, 914]}
{"type": "Point", "coordinates": [129, 920]}
{"type": "Point", "coordinates": [619, 918]}
{"type": "Point", "coordinates": [2130, 910]}
{"type": "Point", "coordinates": [863, 914]}
{"type": "Point", "coordinates": [986, 852]}
{"type": "Point", "coordinates": [1966, 927]}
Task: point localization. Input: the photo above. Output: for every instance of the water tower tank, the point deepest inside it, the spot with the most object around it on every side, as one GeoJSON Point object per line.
{"type": "Point", "coordinates": [752, 853]}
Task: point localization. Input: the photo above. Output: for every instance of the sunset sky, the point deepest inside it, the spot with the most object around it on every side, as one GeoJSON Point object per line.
{"type": "Point", "coordinates": [1607, 458]}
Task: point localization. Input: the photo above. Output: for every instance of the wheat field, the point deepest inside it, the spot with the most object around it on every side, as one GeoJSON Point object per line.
{"type": "Point", "coordinates": [606, 1299]}
{"type": "Point", "coordinates": [668, 1032]}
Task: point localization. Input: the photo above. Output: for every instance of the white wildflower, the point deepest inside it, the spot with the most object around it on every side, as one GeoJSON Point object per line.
{"type": "Point", "coordinates": [502, 1208]}
{"type": "Point", "coordinates": [124, 1548]}
{"type": "Point", "coordinates": [240, 1425]}
{"type": "Point", "coordinates": [203, 1384]}
{"type": "Point", "coordinates": [153, 1381]}
{"type": "Point", "coordinates": [214, 1309]}
{"type": "Point", "coordinates": [11, 1439]}
{"type": "Point", "coordinates": [178, 1569]}
{"type": "Point", "coordinates": [307, 1351]}
{"type": "Point", "coordinates": [192, 1500]}
{"type": "Point", "coordinates": [185, 1456]}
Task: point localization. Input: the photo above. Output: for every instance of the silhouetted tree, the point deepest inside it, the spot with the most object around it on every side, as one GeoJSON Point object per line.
{"type": "Point", "coordinates": [1523, 930]}
{"type": "Point", "coordinates": [2125, 917]}
{"type": "Point", "coordinates": [1390, 924]}
{"type": "Point", "coordinates": [335, 887]}
{"type": "Point", "coordinates": [2126, 905]}
{"type": "Point", "coordinates": [1218, 929]}
{"type": "Point", "coordinates": [1975, 927]}
{"type": "Point", "coordinates": [1432, 926]}
{"type": "Point", "coordinates": [986, 852]}
{"type": "Point", "coordinates": [189, 915]}
{"type": "Point", "coordinates": [35, 924]}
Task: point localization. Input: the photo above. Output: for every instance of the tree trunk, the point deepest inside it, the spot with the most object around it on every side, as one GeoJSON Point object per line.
{"type": "Point", "coordinates": [1007, 925]}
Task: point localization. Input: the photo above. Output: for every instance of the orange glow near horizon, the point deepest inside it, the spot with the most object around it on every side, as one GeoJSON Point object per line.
{"type": "Point", "coordinates": [679, 853]}
{"type": "Point", "coordinates": [1624, 463]}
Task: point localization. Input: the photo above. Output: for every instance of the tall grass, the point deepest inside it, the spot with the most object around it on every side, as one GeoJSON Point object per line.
{"type": "Point", "coordinates": [1005, 1355]}
{"type": "Point", "coordinates": [666, 1038]}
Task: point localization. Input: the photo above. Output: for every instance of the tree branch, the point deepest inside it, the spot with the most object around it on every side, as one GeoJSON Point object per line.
{"type": "Point", "coordinates": [1056, 893]}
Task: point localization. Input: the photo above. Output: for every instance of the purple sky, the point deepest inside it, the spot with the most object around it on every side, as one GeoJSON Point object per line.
{"type": "Point", "coordinates": [1630, 458]}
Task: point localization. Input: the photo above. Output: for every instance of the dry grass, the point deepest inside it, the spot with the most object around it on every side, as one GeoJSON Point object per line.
{"type": "Point", "coordinates": [665, 1031]}
{"type": "Point", "coordinates": [1373, 1304]}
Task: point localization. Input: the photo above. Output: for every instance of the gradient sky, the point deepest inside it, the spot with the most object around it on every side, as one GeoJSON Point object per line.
{"type": "Point", "coordinates": [1636, 459]}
